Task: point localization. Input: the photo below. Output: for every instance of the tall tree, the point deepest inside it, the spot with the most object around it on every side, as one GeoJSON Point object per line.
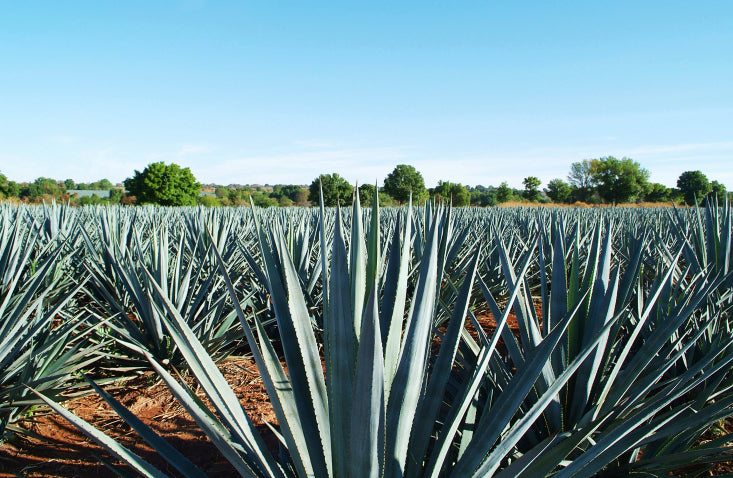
{"type": "Point", "coordinates": [366, 194]}
{"type": "Point", "coordinates": [115, 195]}
{"type": "Point", "coordinates": [8, 188]}
{"type": "Point", "coordinates": [167, 185]}
{"type": "Point", "coordinates": [285, 190]}
{"type": "Point", "coordinates": [504, 193]}
{"type": "Point", "coordinates": [301, 197]}
{"type": "Point", "coordinates": [693, 185]}
{"type": "Point", "coordinates": [582, 179]}
{"type": "Point", "coordinates": [620, 180]}
{"type": "Point", "coordinates": [102, 184]}
{"type": "Point", "coordinates": [483, 196]}
{"type": "Point", "coordinates": [558, 190]}
{"type": "Point", "coordinates": [336, 190]}
{"type": "Point", "coordinates": [41, 187]}
{"type": "Point", "coordinates": [532, 188]}
{"type": "Point", "coordinates": [658, 193]}
{"type": "Point", "coordinates": [456, 193]}
{"type": "Point", "coordinates": [718, 191]}
{"type": "Point", "coordinates": [403, 179]}
{"type": "Point", "coordinates": [262, 199]}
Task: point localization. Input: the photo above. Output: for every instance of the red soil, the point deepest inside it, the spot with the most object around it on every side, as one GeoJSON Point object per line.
{"type": "Point", "coordinates": [62, 451]}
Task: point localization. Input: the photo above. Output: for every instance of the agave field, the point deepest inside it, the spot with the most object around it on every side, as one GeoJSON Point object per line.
{"type": "Point", "coordinates": [370, 332]}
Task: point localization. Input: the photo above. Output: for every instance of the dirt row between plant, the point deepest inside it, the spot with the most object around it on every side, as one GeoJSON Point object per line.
{"type": "Point", "coordinates": [60, 450]}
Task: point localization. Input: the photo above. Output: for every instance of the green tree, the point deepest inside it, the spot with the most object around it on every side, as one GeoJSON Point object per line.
{"type": "Point", "coordinates": [102, 184]}
{"type": "Point", "coordinates": [582, 180]}
{"type": "Point", "coordinates": [692, 185]}
{"type": "Point", "coordinates": [69, 184]}
{"type": "Point", "coordinates": [483, 196]}
{"type": "Point", "coordinates": [504, 193]}
{"type": "Point", "coordinates": [620, 180]}
{"type": "Point", "coordinates": [301, 198]}
{"type": "Point", "coordinates": [262, 199]}
{"type": "Point", "coordinates": [532, 188]}
{"type": "Point", "coordinates": [208, 201]}
{"type": "Point", "coordinates": [237, 197]}
{"type": "Point", "coordinates": [456, 193]}
{"type": "Point", "coordinates": [115, 195]}
{"type": "Point", "coordinates": [658, 193]}
{"type": "Point", "coordinates": [41, 187]}
{"type": "Point", "coordinates": [558, 191]}
{"type": "Point", "coordinates": [8, 188]}
{"type": "Point", "coordinates": [92, 200]}
{"type": "Point", "coordinates": [403, 179]}
{"type": "Point", "coordinates": [289, 191]}
{"type": "Point", "coordinates": [366, 194]}
{"type": "Point", "coordinates": [285, 201]}
{"type": "Point", "coordinates": [167, 185]}
{"type": "Point", "coordinates": [221, 192]}
{"type": "Point", "coordinates": [718, 190]}
{"type": "Point", "coordinates": [336, 190]}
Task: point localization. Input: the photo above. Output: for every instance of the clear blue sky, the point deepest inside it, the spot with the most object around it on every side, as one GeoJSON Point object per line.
{"type": "Point", "coordinates": [475, 92]}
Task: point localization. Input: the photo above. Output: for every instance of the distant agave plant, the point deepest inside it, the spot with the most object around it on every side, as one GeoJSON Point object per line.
{"type": "Point", "coordinates": [591, 384]}
{"type": "Point", "coordinates": [121, 260]}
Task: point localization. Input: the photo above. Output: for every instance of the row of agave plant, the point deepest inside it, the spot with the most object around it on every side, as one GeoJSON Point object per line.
{"type": "Point", "coordinates": [621, 360]}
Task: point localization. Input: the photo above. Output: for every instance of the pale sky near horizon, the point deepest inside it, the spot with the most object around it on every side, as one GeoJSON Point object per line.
{"type": "Point", "coordinates": [275, 92]}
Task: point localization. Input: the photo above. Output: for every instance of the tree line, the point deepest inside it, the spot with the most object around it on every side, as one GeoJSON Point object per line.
{"type": "Point", "coordinates": [605, 180]}
{"type": "Point", "coordinates": [66, 191]}
{"type": "Point", "coordinates": [612, 181]}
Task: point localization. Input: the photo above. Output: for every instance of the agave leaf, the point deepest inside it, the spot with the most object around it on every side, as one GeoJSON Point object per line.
{"type": "Point", "coordinates": [16, 319]}
{"type": "Point", "coordinates": [574, 292]}
{"type": "Point", "coordinates": [395, 296]}
{"type": "Point", "coordinates": [528, 329]}
{"type": "Point", "coordinates": [407, 384]}
{"type": "Point", "coordinates": [545, 457]}
{"type": "Point", "coordinates": [323, 246]}
{"type": "Point", "coordinates": [559, 297]}
{"type": "Point", "coordinates": [299, 347]}
{"type": "Point", "coordinates": [430, 403]}
{"type": "Point", "coordinates": [696, 420]}
{"type": "Point", "coordinates": [373, 271]}
{"type": "Point", "coordinates": [357, 264]}
{"type": "Point", "coordinates": [589, 373]}
{"type": "Point", "coordinates": [368, 406]}
{"type": "Point", "coordinates": [339, 338]}
{"type": "Point", "coordinates": [310, 389]}
{"type": "Point", "coordinates": [285, 405]}
{"type": "Point", "coordinates": [716, 450]}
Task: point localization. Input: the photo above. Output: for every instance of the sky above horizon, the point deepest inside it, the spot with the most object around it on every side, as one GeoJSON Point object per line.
{"type": "Point", "coordinates": [279, 92]}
